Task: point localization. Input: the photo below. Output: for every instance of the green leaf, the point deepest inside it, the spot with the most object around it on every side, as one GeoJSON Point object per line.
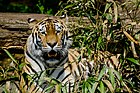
{"type": "Point", "coordinates": [109, 17]}
{"type": "Point", "coordinates": [64, 89]}
{"type": "Point", "coordinates": [102, 88]}
{"type": "Point", "coordinates": [10, 55]}
{"type": "Point", "coordinates": [5, 90]}
{"type": "Point", "coordinates": [41, 8]}
{"type": "Point", "coordinates": [101, 73]}
{"type": "Point", "coordinates": [90, 89]}
{"type": "Point", "coordinates": [94, 87]}
{"type": "Point", "coordinates": [112, 77]}
{"type": "Point", "coordinates": [108, 5]}
{"type": "Point", "coordinates": [49, 11]}
{"type": "Point", "coordinates": [99, 42]}
{"type": "Point", "coordinates": [21, 65]}
{"type": "Point", "coordinates": [89, 51]}
{"type": "Point", "coordinates": [133, 61]}
{"type": "Point", "coordinates": [117, 74]}
{"type": "Point", "coordinates": [58, 88]}
{"type": "Point", "coordinates": [85, 87]}
{"type": "Point", "coordinates": [48, 89]}
{"type": "Point", "coordinates": [68, 6]}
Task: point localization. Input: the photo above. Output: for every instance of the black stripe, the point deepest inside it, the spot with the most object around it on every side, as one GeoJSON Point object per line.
{"type": "Point", "coordinates": [37, 90]}
{"type": "Point", "coordinates": [90, 67]}
{"type": "Point", "coordinates": [33, 59]}
{"type": "Point", "coordinates": [33, 37]}
{"type": "Point", "coordinates": [33, 41]}
{"type": "Point", "coordinates": [39, 75]}
{"type": "Point", "coordinates": [30, 68]}
{"type": "Point", "coordinates": [45, 85]}
{"type": "Point", "coordinates": [62, 61]}
{"type": "Point", "coordinates": [60, 73]}
{"type": "Point", "coordinates": [78, 67]}
{"type": "Point", "coordinates": [34, 88]}
{"type": "Point", "coordinates": [51, 72]}
{"type": "Point", "coordinates": [35, 77]}
{"type": "Point", "coordinates": [66, 77]}
{"type": "Point", "coordinates": [27, 68]}
{"type": "Point", "coordinates": [36, 36]}
{"type": "Point", "coordinates": [42, 22]}
{"type": "Point", "coordinates": [17, 86]}
{"type": "Point", "coordinates": [31, 83]}
{"type": "Point", "coordinates": [70, 66]}
{"type": "Point", "coordinates": [83, 69]}
{"type": "Point", "coordinates": [75, 73]}
{"type": "Point", "coordinates": [66, 57]}
{"type": "Point", "coordinates": [58, 65]}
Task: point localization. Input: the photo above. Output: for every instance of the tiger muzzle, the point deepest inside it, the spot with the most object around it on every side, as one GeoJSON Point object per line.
{"type": "Point", "coordinates": [51, 55]}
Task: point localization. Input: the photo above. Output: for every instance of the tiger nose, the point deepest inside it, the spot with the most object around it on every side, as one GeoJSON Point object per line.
{"type": "Point", "coordinates": [52, 44]}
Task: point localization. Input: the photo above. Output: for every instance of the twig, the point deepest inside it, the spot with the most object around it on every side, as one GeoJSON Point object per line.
{"type": "Point", "coordinates": [131, 38]}
{"type": "Point", "coordinates": [133, 50]}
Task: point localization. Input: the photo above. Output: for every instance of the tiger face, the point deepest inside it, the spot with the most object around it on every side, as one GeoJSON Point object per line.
{"type": "Point", "coordinates": [48, 42]}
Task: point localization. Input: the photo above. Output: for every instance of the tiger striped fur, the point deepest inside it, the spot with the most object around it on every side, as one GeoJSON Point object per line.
{"type": "Point", "coordinates": [47, 54]}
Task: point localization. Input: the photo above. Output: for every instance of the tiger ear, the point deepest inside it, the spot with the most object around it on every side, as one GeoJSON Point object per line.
{"type": "Point", "coordinates": [32, 22]}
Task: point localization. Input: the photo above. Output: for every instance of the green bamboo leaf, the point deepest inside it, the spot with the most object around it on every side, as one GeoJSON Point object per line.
{"type": "Point", "coordinates": [129, 82]}
{"type": "Point", "coordinates": [117, 74]}
{"type": "Point", "coordinates": [108, 5]}
{"type": "Point", "coordinates": [48, 89]}
{"type": "Point", "coordinates": [5, 90]}
{"type": "Point", "coordinates": [102, 88]}
{"type": "Point", "coordinates": [94, 87]}
{"type": "Point", "coordinates": [86, 87]}
{"type": "Point", "coordinates": [101, 73]}
{"type": "Point", "coordinates": [58, 88]}
{"type": "Point", "coordinates": [109, 85]}
{"type": "Point", "coordinates": [21, 65]}
{"type": "Point", "coordinates": [100, 40]}
{"type": "Point", "coordinates": [68, 6]}
{"type": "Point", "coordinates": [53, 81]}
{"type": "Point", "coordinates": [133, 61]}
{"type": "Point", "coordinates": [112, 77]}
{"type": "Point", "coordinates": [90, 89]}
{"type": "Point", "coordinates": [10, 55]}
{"type": "Point", "coordinates": [109, 17]}
{"type": "Point", "coordinates": [64, 89]}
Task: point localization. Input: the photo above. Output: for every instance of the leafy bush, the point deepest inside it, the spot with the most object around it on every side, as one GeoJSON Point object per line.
{"type": "Point", "coordinates": [112, 30]}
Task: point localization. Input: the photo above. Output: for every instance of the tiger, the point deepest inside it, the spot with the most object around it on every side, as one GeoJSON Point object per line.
{"type": "Point", "coordinates": [48, 54]}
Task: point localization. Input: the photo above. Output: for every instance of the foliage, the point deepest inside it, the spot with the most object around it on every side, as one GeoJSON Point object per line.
{"type": "Point", "coordinates": [107, 30]}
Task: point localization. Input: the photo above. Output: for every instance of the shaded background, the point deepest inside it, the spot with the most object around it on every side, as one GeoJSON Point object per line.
{"type": "Point", "coordinates": [31, 6]}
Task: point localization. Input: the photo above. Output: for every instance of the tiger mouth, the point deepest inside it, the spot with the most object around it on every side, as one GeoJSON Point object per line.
{"type": "Point", "coordinates": [52, 55]}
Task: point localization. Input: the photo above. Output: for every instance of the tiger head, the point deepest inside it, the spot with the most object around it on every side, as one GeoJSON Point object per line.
{"type": "Point", "coordinates": [48, 41]}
